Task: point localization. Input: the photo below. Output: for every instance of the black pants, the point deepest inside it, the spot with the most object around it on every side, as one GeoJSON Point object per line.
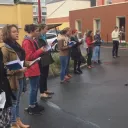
{"type": "Point", "coordinates": [43, 78]}
{"type": "Point", "coordinates": [77, 65]}
{"type": "Point", "coordinates": [89, 53]}
{"type": "Point", "coordinates": [115, 48]}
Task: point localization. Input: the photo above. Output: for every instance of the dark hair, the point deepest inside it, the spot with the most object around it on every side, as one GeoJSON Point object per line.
{"type": "Point", "coordinates": [42, 26]}
{"type": "Point", "coordinates": [89, 33]}
{"type": "Point", "coordinates": [7, 32]}
{"type": "Point", "coordinates": [30, 28]}
{"type": "Point", "coordinates": [116, 27]}
{"type": "Point", "coordinates": [64, 31]}
{"type": "Point", "coordinates": [97, 31]}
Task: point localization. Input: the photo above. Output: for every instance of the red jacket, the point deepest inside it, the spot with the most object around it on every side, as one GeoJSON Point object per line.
{"type": "Point", "coordinates": [31, 54]}
{"type": "Point", "coordinates": [89, 41]}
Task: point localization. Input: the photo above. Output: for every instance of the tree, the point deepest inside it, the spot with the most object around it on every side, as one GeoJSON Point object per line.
{"type": "Point", "coordinates": [16, 1]}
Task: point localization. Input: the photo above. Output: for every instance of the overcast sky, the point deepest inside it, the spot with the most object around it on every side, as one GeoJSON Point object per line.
{"type": "Point", "coordinates": [6, 1]}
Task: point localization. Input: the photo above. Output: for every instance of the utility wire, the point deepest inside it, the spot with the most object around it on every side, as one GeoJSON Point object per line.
{"type": "Point", "coordinates": [57, 8]}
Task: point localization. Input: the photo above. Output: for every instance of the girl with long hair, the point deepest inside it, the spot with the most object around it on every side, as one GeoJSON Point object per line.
{"type": "Point", "coordinates": [90, 42]}
{"type": "Point", "coordinates": [13, 51]}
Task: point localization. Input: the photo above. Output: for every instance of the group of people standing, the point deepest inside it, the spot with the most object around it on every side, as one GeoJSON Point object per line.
{"type": "Point", "coordinates": [66, 51]}
{"type": "Point", "coordinates": [34, 46]}
{"type": "Point", "coordinates": [12, 82]}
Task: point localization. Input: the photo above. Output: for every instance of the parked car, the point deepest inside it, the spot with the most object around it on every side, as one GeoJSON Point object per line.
{"type": "Point", "coordinates": [52, 40]}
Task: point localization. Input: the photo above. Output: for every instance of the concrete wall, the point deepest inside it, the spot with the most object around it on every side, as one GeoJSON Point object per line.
{"type": "Point", "coordinates": [20, 14]}
{"type": "Point", "coordinates": [61, 9]}
{"type": "Point", "coordinates": [107, 15]}
{"type": "Point", "coordinates": [59, 12]}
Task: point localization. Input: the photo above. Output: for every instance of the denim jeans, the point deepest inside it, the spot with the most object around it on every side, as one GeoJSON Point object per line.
{"type": "Point", "coordinates": [15, 103]}
{"type": "Point", "coordinates": [96, 54]}
{"type": "Point", "coordinates": [68, 62]}
{"type": "Point", "coordinates": [34, 85]}
{"type": "Point", "coordinates": [64, 62]}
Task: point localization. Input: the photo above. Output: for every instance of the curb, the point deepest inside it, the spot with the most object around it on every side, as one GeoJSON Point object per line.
{"type": "Point", "coordinates": [71, 71]}
{"type": "Point", "coordinates": [111, 47]}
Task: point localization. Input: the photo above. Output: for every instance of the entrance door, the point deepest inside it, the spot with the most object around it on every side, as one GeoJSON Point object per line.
{"type": "Point", "coordinates": [120, 22]}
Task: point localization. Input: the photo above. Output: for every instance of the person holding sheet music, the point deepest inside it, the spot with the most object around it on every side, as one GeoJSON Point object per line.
{"type": "Point", "coordinates": [76, 53]}
{"type": "Point", "coordinates": [5, 113]}
{"type": "Point", "coordinates": [64, 47]}
{"type": "Point", "coordinates": [33, 73]}
{"type": "Point", "coordinates": [46, 60]}
{"type": "Point", "coordinates": [13, 51]}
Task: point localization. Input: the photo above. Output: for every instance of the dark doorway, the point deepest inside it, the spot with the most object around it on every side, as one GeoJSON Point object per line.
{"type": "Point", "coordinates": [122, 28]}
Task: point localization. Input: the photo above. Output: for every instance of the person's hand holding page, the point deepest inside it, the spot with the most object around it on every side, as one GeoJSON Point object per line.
{"type": "Point", "coordinates": [24, 69]}
{"type": "Point", "coordinates": [43, 49]}
{"type": "Point", "coordinates": [94, 41]}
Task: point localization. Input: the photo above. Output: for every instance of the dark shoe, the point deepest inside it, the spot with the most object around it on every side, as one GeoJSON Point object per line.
{"type": "Point", "coordinates": [33, 111]}
{"type": "Point", "coordinates": [114, 57]}
{"type": "Point", "coordinates": [41, 108]}
{"type": "Point", "coordinates": [79, 70]}
{"type": "Point", "coordinates": [99, 62]}
{"type": "Point", "coordinates": [126, 84]}
{"type": "Point", "coordinates": [94, 62]}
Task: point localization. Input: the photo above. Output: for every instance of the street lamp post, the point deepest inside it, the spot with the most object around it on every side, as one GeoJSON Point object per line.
{"type": "Point", "coordinates": [39, 11]}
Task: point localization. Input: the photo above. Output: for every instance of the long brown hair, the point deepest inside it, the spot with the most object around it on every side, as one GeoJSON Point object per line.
{"type": "Point", "coordinates": [7, 32]}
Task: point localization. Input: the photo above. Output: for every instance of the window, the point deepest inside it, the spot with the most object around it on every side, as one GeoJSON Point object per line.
{"type": "Point", "coordinates": [50, 36]}
{"type": "Point", "coordinates": [79, 25]}
{"type": "Point", "coordinates": [44, 13]}
{"type": "Point", "coordinates": [34, 9]}
{"type": "Point", "coordinates": [108, 2]}
{"type": "Point", "coordinates": [35, 20]}
{"type": "Point", "coordinates": [43, 20]}
{"type": "Point", "coordinates": [97, 25]}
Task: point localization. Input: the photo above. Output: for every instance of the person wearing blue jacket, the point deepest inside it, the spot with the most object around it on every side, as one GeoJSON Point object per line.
{"type": "Point", "coordinates": [96, 50]}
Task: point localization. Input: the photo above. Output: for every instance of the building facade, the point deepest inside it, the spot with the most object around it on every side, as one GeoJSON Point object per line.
{"type": "Point", "coordinates": [103, 18]}
{"type": "Point", "coordinates": [19, 14]}
{"type": "Point", "coordinates": [106, 2]}
{"type": "Point", "coordinates": [58, 10]}
{"type": "Point", "coordinates": [43, 11]}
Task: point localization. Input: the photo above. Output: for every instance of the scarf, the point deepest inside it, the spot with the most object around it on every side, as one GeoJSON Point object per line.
{"type": "Point", "coordinates": [17, 48]}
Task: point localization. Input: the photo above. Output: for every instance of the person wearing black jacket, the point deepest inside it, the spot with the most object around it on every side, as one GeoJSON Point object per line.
{"type": "Point", "coordinates": [5, 114]}
{"type": "Point", "coordinates": [76, 53]}
{"type": "Point", "coordinates": [46, 60]}
{"type": "Point", "coordinates": [96, 50]}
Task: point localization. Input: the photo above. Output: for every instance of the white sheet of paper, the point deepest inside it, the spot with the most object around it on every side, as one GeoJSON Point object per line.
{"type": "Point", "coordinates": [48, 47]}
{"type": "Point", "coordinates": [2, 100]}
{"type": "Point", "coordinates": [22, 64]}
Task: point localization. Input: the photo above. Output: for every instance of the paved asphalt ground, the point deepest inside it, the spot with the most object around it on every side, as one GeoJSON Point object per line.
{"type": "Point", "coordinates": [95, 99]}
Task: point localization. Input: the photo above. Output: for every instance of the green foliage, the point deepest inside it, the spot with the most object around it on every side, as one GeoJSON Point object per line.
{"type": "Point", "coordinates": [16, 1]}
{"type": "Point", "coordinates": [55, 67]}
